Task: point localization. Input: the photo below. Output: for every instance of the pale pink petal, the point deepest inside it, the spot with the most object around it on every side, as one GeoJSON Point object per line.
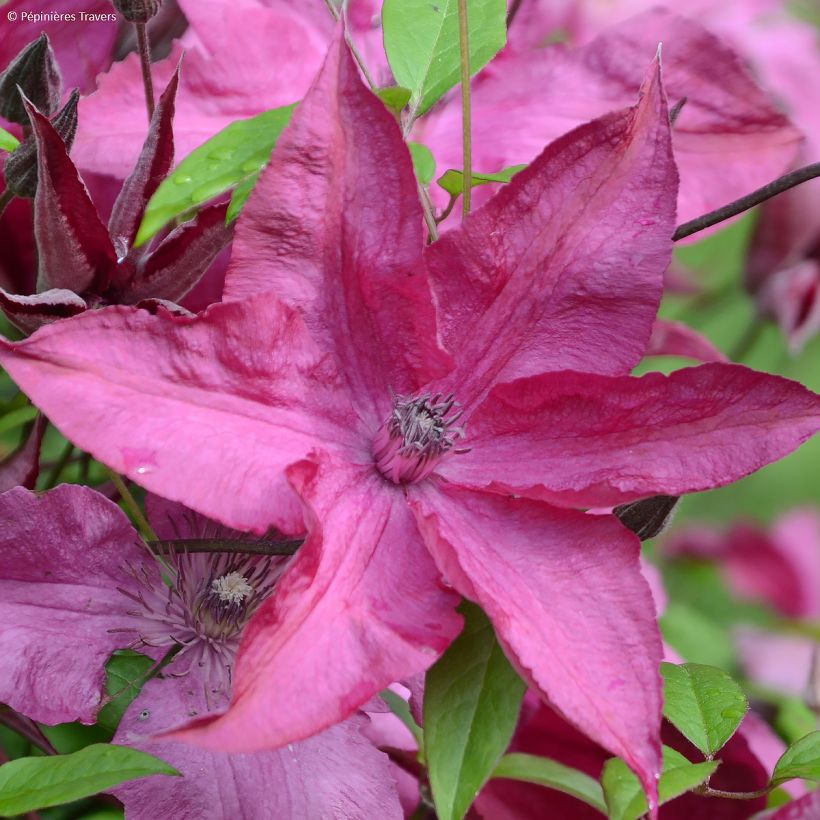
{"type": "Point", "coordinates": [584, 232]}
{"type": "Point", "coordinates": [585, 440]}
{"type": "Point", "coordinates": [568, 601]}
{"type": "Point", "coordinates": [207, 412]}
{"type": "Point", "coordinates": [779, 662]}
{"type": "Point", "coordinates": [337, 773]}
{"type": "Point", "coordinates": [361, 606]}
{"type": "Point", "coordinates": [677, 339]}
{"type": "Point", "coordinates": [63, 557]}
{"type": "Point", "coordinates": [334, 228]}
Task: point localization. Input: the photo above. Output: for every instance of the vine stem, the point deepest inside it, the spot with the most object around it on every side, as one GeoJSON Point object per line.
{"type": "Point", "coordinates": [146, 530]}
{"type": "Point", "coordinates": [708, 791]}
{"type": "Point", "coordinates": [145, 61]}
{"type": "Point", "coordinates": [210, 545]}
{"type": "Point", "coordinates": [774, 188]}
{"type": "Point", "coordinates": [466, 136]}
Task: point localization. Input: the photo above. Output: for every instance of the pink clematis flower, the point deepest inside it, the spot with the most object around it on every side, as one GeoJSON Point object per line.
{"type": "Point", "coordinates": [331, 402]}
{"type": "Point", "coordinates": [77, 550]}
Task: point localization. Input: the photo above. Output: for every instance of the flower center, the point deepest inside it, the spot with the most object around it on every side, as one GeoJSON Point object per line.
{"type": "Point", "coordinates": [232, 588]}
{"type": "Point", "coordinates": [417, 434]}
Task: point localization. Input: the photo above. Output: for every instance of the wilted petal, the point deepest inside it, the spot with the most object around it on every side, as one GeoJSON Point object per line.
{"type": "Point", "coordinates": [334, 227]}
{"type": "Point", "coordinates": [208, 412]}
{"type": "Point", "coordinates": [32, 312]}
{"type": "Point", "coordinates": [594, 441]}
{"type": "Point", "coordinates": [563, 268]}
{"type": "Point", "coordinates": [20, 469]}
{"type": "Point", "coordinates": [63, 556]}
{"type": "Point", "coordinates": [337, 773]}
{"type": "Point", "coordinates": [677, 339]}
{"type": "Point", "coordinates": [565, 593]}
{"type": "Point", "coordinates": [360, 607]}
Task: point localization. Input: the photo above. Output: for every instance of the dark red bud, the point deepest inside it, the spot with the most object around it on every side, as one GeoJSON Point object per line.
{"type": "Point", "coordinates": [20, 169]}
{"type": "Point", "coordinates": [35, 71]}
{"type": "Point", "coordinates": [137, 11]}
{"type": "Point", "coordinates": [649, 516]}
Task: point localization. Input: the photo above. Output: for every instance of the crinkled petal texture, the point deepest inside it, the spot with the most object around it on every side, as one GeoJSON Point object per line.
{"type": "Point", "coordinates": [563, 268]}
{"type": "Point", "coordinates": [729, 138]}
{"type": "Point", "coordinates": [337, 774]}
{"type": "Point", "coordinates": [208, 412]}
{"type": "Point", "coordinates": [568, 601]}
{"type": "Point", "coordinates": [28, 313]}
{"type": "Point", "coordinates": [361, 606]}
{"type": "Point", "coordinates": [582, 440]}
{"type": "Point", "coordinates": [335, 229]}
{"type": "Point", "coordinates": [63, 556]}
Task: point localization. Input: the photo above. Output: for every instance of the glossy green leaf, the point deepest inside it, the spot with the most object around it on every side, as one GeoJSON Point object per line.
{"type": "Point", "coordinates": [235, 154]}
{"type": "Point", "coordinates": [240, 196]}
{"type": "Point", "coordinates": [704, 703]}
{"type": "Point", "coordinates": [472, 698]}
{"type": "Point", "coordinates": [8, 142]}
{"type": "Point", "coordinates": [126, 674]}
{"type": "Point", "coordinates": [424, 163]}
{"type": "Point", "coordinates": [422, 45]}
{"type": "Point", "coordinates": [401, 709]}
{"type": "Point", "coordinates": [625, 799]}
{"type": "Point", "coordinates": [395, 97]}
{"type": "Point", "coordinates": [801, 759]}
{"type": "Point", "coordinates": [554, 775]}
{"type": "Point", "coordinates": [453, 181]}
{"type": "Point", "coordinates": [32, 783]}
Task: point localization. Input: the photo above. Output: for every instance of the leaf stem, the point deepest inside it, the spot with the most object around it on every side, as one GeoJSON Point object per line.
{"type": "Point", "coordinates": [774, 188]}
{"type": "Point", "coordinates": [5, 198]}
{"type": "Point", "coordinates": [466, 136]}
{"type": "Point", "coordinates": [429, 217]}
{"type": "Point", "coordinates": [145, 61]}
{"type": "Point", "coordinates": [234, 547]}
{"type": "Point", "coordinates": [146, 530]}
{"type": "Point", "coordinates": [708, 791]}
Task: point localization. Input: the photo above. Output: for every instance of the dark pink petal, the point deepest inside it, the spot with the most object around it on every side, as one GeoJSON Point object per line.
{"type": "Point", "coordinates": [75, 251]}
{"type": "Point", "coordinates": [20, 469]}
{"type": "Point", "coordinates": [334, 227]}
{"type": "Point", "coordinates": [677, 339]}
{"type": "Point", "coordinates": [337, 773]}
{"type": "Point", "coordinates": [207, 412]}
{"type": "Point", "coordinates": [595, 441]}
{"type": "Point", "coordinates": [153, 165]}
{"type": "Point", "coordinates": [360, 607]}
{"type": "Point", "coordinates": [565, 593]}
{"type": "Point", "coordinates": [806, 808]}
{"type": "Point", "coordinates": [32, 312]}
{"type": "Point", "coordinates": [63, 556]}
{"type": "Point", "coordinates": [176, 266]}
{"type": "Point", "coordinates": [563, 268]}
{"type": "Point", "coordinates": [792, 297]}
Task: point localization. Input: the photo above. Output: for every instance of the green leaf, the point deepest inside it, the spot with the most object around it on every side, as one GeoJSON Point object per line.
{"type": "Point", "coordinates": [401, 709]}
{"type": "Point", "coordinates": [697, 637]}
{"type": "Point", "coordinates": [453, 181]}
{"type": "Point", "coordinates": [240, 196]}
{"type": "Point", "coordinates": [472, 698]}
{"type": "Point", "coordinates": [625, 799]}
{"type": "Point", "coordinates": [801, 759]}
{"type": "Point", "coordinates": [395, 97]}
{"type": "Point", "coordinates": [554, 775]}
{"type": "Point", "coordinates": [32, 783]}
{"type": "Point", "coordinates": [421, 41]}
{"type": "Point", "coordinates": [126, 674]}
{"type": "Point", "coordinates": [424, 163]}
{"type": "Point", "coordinates": [8, 142]}
{"type": "Point", "coordinates": [232, 156]}
{"type": "Point", "coordinates": [704, 703]}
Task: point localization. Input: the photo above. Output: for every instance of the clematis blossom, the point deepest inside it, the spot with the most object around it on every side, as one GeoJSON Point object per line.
{"type": "Point", "coordinates": [436, 419]}
{"type": "Point", "coordinates": [76, 552]}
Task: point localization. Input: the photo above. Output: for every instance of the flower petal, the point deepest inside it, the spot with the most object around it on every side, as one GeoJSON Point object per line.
{"type": "Point", "coordinates": [564, 267]}
{"type": "Point", "coordinates": [207, 412]}
{"type": "Point", "coordinates": [677, 339]}
{"type": "Point", "coordinates": [20, 469]}
{"type": "Point", "coordinates": [28, 313]}
{"type": "Point", "coordinates": [565, 593]}
{"type": "Point", "coordinates": [576, 439]}
{"type": "Point", "coordinates": [334, 227]}
{"type": "Point", "coordinates": [63, 556]}
{"type": "Point", "coordinates": [360, 607]}
{"type": "Point", "coordinates": [338, 773]}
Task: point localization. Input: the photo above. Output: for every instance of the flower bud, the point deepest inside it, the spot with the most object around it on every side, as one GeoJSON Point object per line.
{"type": "Point", "coordinates": [35, 71]}
{"type": "Point", "coordinates": [20, 169]}
{"type": "Point", "coordinates": [137, 11]}
{"type": "Point", "coordinates": [649, 516]}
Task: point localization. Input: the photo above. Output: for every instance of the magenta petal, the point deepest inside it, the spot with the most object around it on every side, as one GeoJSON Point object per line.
{"type": "Point", "coordinates": [32, 312]}
{"type": "Point", "coordinates": [565, 593]}
{"type": "Point", "coordinates": [577, 439]}
{"type": "Point", "coordinates": [583, 233]}
{"type": "Point", "coordinates": [805, 808]}
{"type": "Point", "coordinates": [207, 412]}
{"type": "Point", "coordinates": [677, 339]}
{"type": "Point", "coordinates": [63, 556]}
{"type": "Point", "coordinates": [75, 251]}
{"type": "Point", "coordinates": [338, 773]}
{"type": "Point", "coordinates": [334, 227]}
{"type": "Point", "coordinates": [360, 607]}
{"type": "Point", "coordinates": [21, 468]}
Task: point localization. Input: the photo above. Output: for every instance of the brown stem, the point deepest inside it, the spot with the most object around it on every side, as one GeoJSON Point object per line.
{"type": "Point", "coordinates": [774, 188]}
{"type": "Point", "coordinates": [5, 198]}
{"type": "Point", "coordinates": [145, 61]}
{"type": "Point", "coordinates": [429, 216]}
{"type": "Point", "coordinates": [288, 547]}
{"type": "Point", "coordinates": [466, 135]}
{"type": "Point", "coordinates": [26, 728]}
{"type": "Point", "coordinates": [708, 791]}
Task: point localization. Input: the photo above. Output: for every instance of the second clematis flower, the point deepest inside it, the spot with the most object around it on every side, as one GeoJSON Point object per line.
{"type": "Point", "coordinates": [436, 419]}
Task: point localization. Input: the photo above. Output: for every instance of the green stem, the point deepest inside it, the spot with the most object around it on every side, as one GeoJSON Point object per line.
{"type": "Point", "coordinates": [54, 475]}
{"type": "Point", "coordinates": [466, 137]}
{"type": "Point", "coordinates": [146, 530]}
